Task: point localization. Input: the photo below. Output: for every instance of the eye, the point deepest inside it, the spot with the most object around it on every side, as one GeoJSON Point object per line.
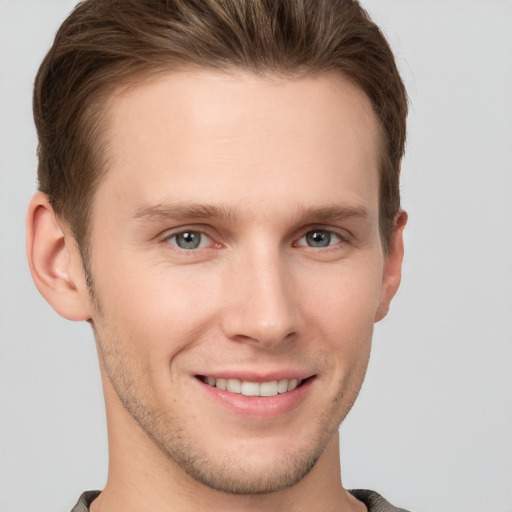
{"type": "Point", "coordinates": [189, 240]}
{"type": "Point", "coordinates": [320, 238]}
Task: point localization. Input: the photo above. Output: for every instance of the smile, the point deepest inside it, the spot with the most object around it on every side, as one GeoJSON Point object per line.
{"type": "Point", "coordinates": [247, 388]}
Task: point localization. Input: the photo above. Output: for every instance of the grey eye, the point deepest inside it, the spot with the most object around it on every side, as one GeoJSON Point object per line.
{"type": "Point", "coordinates": [188, 239]}
{"type": "Point", "coordinates": [319, 238]}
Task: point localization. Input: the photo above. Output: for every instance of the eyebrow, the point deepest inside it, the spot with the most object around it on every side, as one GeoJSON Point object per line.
{"type": "Point", "coordinates": [332, 213]}
{"type": "Point", "coordinates": [185, 210]}
{"type": "Point", "coordinates": [179, 210]}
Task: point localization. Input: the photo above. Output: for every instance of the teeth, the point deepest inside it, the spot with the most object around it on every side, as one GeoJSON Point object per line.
{"type": "Point", "coordinates": [234, 386]}
{"type": "Point", "coordinates": [271, 388]}
{"type": "Point", "coordinates": [268, 388]}
{"type": "Point", "coordinates": [250, 388]}
{"type": "Point", "coordinates": [282, 386]}
{"type": "Point", "coordinates": [292, 384]}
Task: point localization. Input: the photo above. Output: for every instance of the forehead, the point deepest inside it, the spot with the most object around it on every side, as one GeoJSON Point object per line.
{"type": "Point", "coordinates": [241, 138]}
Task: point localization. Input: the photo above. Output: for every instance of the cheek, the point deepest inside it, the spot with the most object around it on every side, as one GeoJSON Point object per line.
{"type": "Point", "coordinates": [157, 311]}
{"type": "Point", "coordinates": [342, 306]}
{"type": "Point", "coordinates": [347, 295]}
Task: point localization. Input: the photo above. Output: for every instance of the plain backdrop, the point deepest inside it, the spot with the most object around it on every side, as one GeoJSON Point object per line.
{"type": "Point", "coordinates": [432, 429]}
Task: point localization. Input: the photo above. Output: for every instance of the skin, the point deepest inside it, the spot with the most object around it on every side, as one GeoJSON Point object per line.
{"type": "Point", "coordinates": [253, 166]}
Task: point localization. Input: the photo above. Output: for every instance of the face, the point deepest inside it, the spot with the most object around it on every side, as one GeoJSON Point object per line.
{"type": "Point", "coordinates": [237, 270]}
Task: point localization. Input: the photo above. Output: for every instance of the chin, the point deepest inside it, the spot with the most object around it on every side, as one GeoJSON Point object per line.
{"type": "Point", "coordinates": [238, 475]}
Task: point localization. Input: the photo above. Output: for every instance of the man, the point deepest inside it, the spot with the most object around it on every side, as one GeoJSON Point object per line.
{"type": "Point", "coordinates": [219, 200]}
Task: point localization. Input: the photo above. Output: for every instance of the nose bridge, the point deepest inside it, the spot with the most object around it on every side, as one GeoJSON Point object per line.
{"type": "Point", "coordinates": [261, 305]}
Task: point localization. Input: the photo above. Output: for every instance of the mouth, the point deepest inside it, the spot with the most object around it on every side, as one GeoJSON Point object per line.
{"type": "Point", "coordinates": [257, 397]}
{"type": "Point", "coordinates": [248, 388]}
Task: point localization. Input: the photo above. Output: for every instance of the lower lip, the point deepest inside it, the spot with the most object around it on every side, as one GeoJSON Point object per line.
{"type": "Point", "coordinates": [266, 407]}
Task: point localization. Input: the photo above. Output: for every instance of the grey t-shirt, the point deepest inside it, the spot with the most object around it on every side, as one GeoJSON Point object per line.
{"type": "Point", "coordinates": [374, 501]}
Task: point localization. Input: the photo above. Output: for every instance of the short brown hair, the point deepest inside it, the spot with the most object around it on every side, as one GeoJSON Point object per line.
{"type": "Point", "coordinates": [105, 44]}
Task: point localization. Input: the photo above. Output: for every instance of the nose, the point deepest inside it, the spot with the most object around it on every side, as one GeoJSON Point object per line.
{"type": "Point", "coordinates": [261, 306]}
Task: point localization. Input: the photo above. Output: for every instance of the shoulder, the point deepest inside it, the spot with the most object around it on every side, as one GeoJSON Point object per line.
{"type": "Point", "coordinates": [374, 501]}
{"type": "Point", "coordinates": [85, 500]}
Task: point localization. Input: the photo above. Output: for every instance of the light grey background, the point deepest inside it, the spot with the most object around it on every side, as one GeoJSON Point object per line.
{"type": "Point", "coordinates": [432, 430]}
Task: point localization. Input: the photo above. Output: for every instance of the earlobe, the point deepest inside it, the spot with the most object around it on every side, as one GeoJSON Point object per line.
{"type": "Point", "coordinates": [55, 262]}
{"type": "Point", "coordinates": [392, 267]}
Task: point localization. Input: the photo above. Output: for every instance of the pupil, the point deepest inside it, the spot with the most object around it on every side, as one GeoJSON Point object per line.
{"type": "Point", "coordinates": [188, 240]}
{"type": "Point", "coordinates": [319, 239]}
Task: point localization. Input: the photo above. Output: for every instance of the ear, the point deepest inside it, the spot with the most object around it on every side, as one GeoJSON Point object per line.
{"type": "Point", "coordinates": [55, 262]}
{"type": "Point", "coordinates": [392, 267]}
